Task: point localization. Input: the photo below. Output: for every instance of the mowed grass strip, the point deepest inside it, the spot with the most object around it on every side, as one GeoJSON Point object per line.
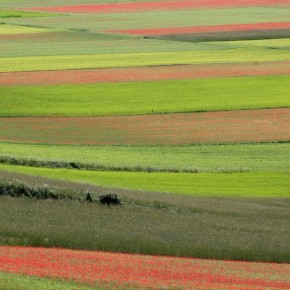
{"type": "Point", "coordinates": [202, 184]}
{"type": "Point", "coordinates": [140, 59]}
{"type": "Point", "coordinates": [270, 157]}
{"type": "Point", "coordinates": [155, 73]}
{"type": "Point", "coordinates": [166, 96]}
{"type": "Point", "coordinates": [166, 129]}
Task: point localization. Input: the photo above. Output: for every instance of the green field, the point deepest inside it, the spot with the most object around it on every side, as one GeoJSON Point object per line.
{"type": "Point", "coordinates": [102, 22]}
{"type": "Point", "coordinates": [283, 43]}
{"type": "Point", "coordinates": [201, 227]}
{"type": "Point", "coordinates": [146, 97]}
{"type": "Point", "coordinates": [23, 14]}
{"type": "Point", "coordinates": [75, 42]}
{"type": "Point", "coordinates": [221, 158]}
{"type": "Point", "coordinates": [202, 184]}
{"type": "Point", "coordinates": [140, 59]}
{"type": "Point", "coordinates": [227, 36]}
{"type": "Point", "coordinates": [10, 29]}
{"type": "Point", "coordinates": [71, 224]}
{"type": "Point", "coordinates": [22, 282]}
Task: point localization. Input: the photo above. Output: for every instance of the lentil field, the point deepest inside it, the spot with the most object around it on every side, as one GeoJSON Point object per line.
{"type": "Point", "coordinates": [180, 109]}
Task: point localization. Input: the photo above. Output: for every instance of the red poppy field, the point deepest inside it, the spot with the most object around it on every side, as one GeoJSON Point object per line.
{"type": "Point", "coordinates": [144, 73]}
{"type": "Point", "coordinates": [203, 80]}
{"type": "Point", "coordinates": [140, 271]}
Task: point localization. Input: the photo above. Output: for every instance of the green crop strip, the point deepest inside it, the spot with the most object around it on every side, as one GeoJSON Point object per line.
{"type": "Point", "coordinates": [10, 29]}
{"type": "Point", "coordinates": [146, 97]}
{"type": "Point", "coordinates": [216, 158]}
{"type": "Point", "coordinates": [140, 59]}
{"type": "Point", "coordinates": [24, 14]}
{"type": "Point", "coordinates": [202, 184]}
{"type": "Point", "coordinates": [10, 281]}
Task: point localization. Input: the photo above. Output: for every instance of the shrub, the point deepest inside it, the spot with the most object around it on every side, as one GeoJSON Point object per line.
{"type": "Point", "coordinates": [109, 199]}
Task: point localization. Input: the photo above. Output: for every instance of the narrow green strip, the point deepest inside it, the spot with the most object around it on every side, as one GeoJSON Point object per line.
{"type": "Point", "coordinates": [202, 184]}
{"type": "Point", "coordinates": [140, 59]}
{"type": "Point", "coordinates": [272, 157]}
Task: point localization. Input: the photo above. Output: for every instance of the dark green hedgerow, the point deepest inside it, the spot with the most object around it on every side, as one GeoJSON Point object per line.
{"type": "Point", "coordinates": [17, 188]}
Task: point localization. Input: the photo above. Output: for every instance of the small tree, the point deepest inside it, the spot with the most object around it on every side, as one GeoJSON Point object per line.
{"type": "Point", "coordinates": [109, 199]}
{"type": "Point", "coordinates": [89, 197]}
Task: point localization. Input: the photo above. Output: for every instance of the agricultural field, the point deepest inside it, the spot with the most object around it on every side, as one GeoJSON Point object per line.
{"type": "Point", "coordinates": [144, 144]}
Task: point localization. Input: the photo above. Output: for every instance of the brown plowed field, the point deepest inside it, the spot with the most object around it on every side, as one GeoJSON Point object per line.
{"type": "Point", "coordinates": [183, 128]}
{"type": "Point", "coordinates": [144, 73]}
{"type": "Point", "coordinates": [162, 5]}
{"type": "Point", "coordinates": [206, 29]}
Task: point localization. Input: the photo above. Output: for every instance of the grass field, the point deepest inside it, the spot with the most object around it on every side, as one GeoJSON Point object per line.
{"type": "Point", "coordinates": [89, 226]}
{"type": "Point", "coordinates": [203, 227]}
{"type": "Point", "coordinates": [140, 59]}
{"type": "Point", "coordinates": [24, 14]}
{"type": "Point", "coordinates": [279, 43]}
{"type": "Point", "coordinates": [23, 282]}
{"type": "Point", "coordinates": [9, 29]}
{"type": "Point", "coordinates": [249, 184]}
{"type": "Point", "coordinates": [162, 19]}
{"type": "Point", "coordinates": [146, 97]}
{"type": "Point", "coordinates": [239, 157]}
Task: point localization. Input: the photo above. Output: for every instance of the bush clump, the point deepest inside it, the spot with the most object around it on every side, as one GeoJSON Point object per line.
{"type": "Point", "coordinates": [24, 190]}
{"type": "Point", "coordinates": [109, 199]}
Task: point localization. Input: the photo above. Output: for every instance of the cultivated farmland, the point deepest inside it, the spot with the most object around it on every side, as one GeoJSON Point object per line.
{"type": "Point", "coordinates": [175, 113]}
